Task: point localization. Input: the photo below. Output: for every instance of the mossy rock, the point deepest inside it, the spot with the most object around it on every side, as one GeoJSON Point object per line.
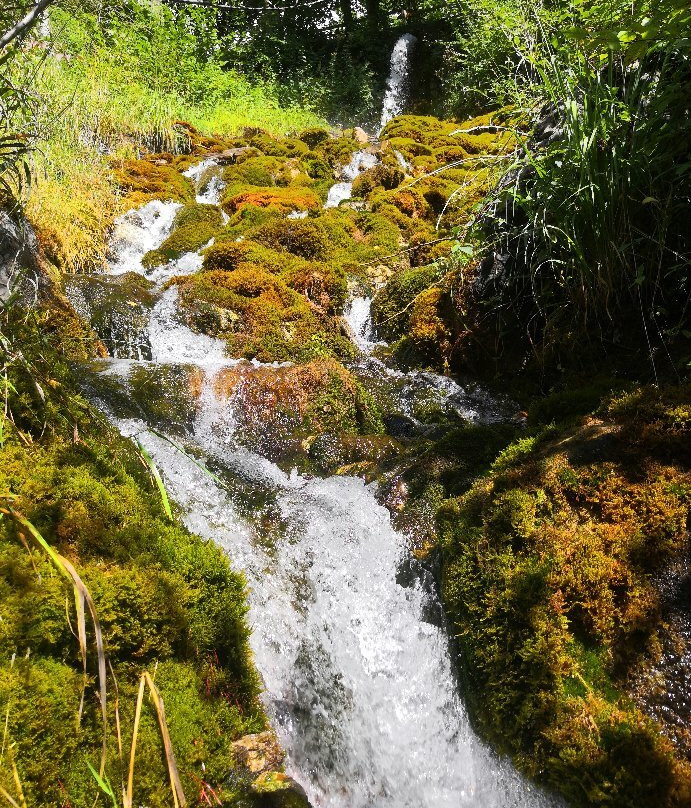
{"type": "Point", "coordinates": [296, 236]}
{"type": "Point", "coordinates": [338, 151]}
{"type": "Point", "coordinates": [283, 410]}
{"type": "Point", "coordinates": [278, 790]}
{"type": "Point", "coordinates": [550, 568]}
{"type": "Point", "coordinates": [314, 136]}
{"type": "Point", "coordinates": [145, 180]}
{"type": "Point", "coordinates": [392, 304]}
{"type": "Point", "coordinates": [118, 309]}
{"type": "Point", "coordinates": [224, 255]}
{"type": "Point", "coordinates": [193, 227]}
{"type": "Point", "coordinates": [409, 201]}
{"type": "Point", "coordinates": [409, 148]}
{"type": "Point", "coordinates": [279, 147]}
{"type": "Point", "coordinates": [268, 171]}
{"type": "Point", "coordinates": [276, 200]}
{"type": "Point", "coordinates": [323, 285]}
{"type": "Point", "coordinates": [387, 177]}
{"type": "Point", "coordinates": [417, 127]}
{"type": "Point", "coordinates": [259, 316]}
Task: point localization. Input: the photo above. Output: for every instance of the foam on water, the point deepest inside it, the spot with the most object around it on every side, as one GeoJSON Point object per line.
{"type": "Point", "coordinates": [209, 192]}
{"type": "Point", "coordinates": [173, 342]}
{"type": "Point", "coordinates": [358, 317]}
{"type": "Point", "coordinates": [361, 161]}
{"type": "Point", "coordinates": [360, 687]}
{"type": "Point", "coordinates": [137, 232]}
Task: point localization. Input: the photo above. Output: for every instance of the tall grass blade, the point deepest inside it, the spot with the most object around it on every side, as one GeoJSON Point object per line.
{"type": "Point", "coordinates": [82, 595]}
{"type": "Point", "coordinates": [157, 477]}
{"type": "Point", "coordinates": [179, 800]}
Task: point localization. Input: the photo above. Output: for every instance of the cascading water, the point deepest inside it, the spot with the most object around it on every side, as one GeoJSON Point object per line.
{"type": "Point", "coordinates": [361, 161]}
{"type": "Point", "coordinates": [395, 96]}
{"type": "Point", "coordinates": [358, 682]}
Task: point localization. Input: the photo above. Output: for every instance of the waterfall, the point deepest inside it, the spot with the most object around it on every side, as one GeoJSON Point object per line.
{"type": "Point", "coordinates": [359, 682]}
{"type": "Point", "coordinates": [358, 678]}
{"type": "Point", "coordinates": [395, 96]}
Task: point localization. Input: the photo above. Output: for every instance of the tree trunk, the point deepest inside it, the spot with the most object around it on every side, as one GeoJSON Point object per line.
{"type": "Point", "coordinates": [347, 12]}
{"type": "Point", "coordinates": [373, 9]}
{"type": "Point", "coordinates": [24, 24]}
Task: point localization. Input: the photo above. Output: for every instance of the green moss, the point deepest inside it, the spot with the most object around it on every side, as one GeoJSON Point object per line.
{"type": "Point", "coordinates": [338, 151]}
{"type": "Point", "coordinates": [314, 137]}
{"type": "Point", "coordinates": [296, 236]}
{"type": "Point", "coordinates": [259, 316]}
{"type": "Point", "coordinates": [267, 172]}
{"type": "Point", "coordinates": [279, 147]}
{"type": "Point", "coordinates": [145, 180]}
{"type": "Point", "coordinates": [275, 200]}
{"type": "Point", "coordinates": [391, 307]}
{"type": "Point", "coordinates": [193, 227]}
{"type": "Point", "coordinates": [387, 177]}
{"type": "Point", "coordinates": [548, 564]}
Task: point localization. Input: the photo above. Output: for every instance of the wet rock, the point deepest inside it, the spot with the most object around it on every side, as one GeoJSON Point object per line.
{"type": "Point", "coordinates": [118, 309]}
{"type": "Point", "coordinates": [278, 790]}
{"type": "Point", "coordinates": [18, 258]}
{"type": "Point", "coordinates": [401, 426]}
{"type": "Point", "coordinates": [360, 135]}
{"type": "Point", "coordinates": [337, 451]}
{"type": "Point", "coordinates": [280, 412]}
{"type": "Point", "coordinates": [259, 753]}
{"type": "Point", "coordinates": [231, 156]}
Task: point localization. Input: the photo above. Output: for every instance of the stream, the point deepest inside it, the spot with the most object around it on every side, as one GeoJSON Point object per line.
{"type": "Point", "coordinates": [359, 682]}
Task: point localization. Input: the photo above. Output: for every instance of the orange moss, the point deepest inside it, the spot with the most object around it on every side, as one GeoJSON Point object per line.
{"type": "Point", "coordinates": [280, 200]}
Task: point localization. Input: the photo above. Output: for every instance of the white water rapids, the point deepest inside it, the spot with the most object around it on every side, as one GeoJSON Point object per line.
{"type": "Point", "coordinates": [358, 682]}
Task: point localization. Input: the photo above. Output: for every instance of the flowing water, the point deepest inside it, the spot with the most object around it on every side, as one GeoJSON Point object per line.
{"type": "Point", "coordinates": [361, 161]}
{"type": "Point", "coordinates": [358, 677]}
{"type": "Point", "coordinates": [396, 86]}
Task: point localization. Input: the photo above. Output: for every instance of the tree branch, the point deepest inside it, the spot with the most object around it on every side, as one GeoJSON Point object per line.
{"type": "Point", "coordinates": [24, 23]}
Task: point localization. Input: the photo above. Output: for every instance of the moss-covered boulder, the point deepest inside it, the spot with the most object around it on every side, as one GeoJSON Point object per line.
{"type": "Point", "coordinates": [144, 180]}
{"type": "Point", "coordinates": [385, 176]}
{"type": "Point", "coordinates": [552, 571]}
{"type": "Point", "coordinates": [278, 790]}
{"type": "Point", "coordinates": [281, 411]}
{"type": "Point", "coordinates": [278, 200]}
{"type": "Point", "coordinates": [391, 308]}
{"type": "Point", "coordinates": [193, 227]}
{"type": "Point", "coordinates": [259, 315]}
{"type": "Point", "coordinates": [118, 308]}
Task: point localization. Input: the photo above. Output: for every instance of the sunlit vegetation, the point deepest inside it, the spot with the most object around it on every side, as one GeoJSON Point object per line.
{"type": "Point", "coordinates": [535, 235]}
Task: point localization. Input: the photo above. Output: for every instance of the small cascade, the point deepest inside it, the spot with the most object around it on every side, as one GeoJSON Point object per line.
{"type": "Point", "coordinates": [361, 161]}
{"type": "Point", "coordinates": [172, 341]}
{"type": "Point", "coordinates": [358, 317]}
{"type": "Point", "coordinates": [395, 97]}
{"type": "Point", "coordinates": [358, 682]}
{"type": "Point", "coordinates": [358, 678]}
{"type": "Point", "coordinates": [208, 181]}
{"type": "Point", "coordinates": [137, 232]}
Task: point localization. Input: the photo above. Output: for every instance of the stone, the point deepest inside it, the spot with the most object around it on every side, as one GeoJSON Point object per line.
{"type": "Point", "coordinates": [279, 790]}
{"type": "Point", "coordinates": [360, 135]}
{"type": "Point", "coordinates": [230, 156]}
{"type": "Point", "coordinates": [259, 753]}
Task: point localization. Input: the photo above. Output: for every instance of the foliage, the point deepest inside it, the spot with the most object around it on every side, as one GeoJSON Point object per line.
{"type": "Point", "coordinates": [594, 218]}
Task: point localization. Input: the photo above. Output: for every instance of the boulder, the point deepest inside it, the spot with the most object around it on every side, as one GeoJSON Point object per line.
{"type": "Point", "coordinates": [230, 156]}
{"type": "Point", "coordinates": [259, 753]}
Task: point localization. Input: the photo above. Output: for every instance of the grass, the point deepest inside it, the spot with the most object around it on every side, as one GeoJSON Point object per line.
{"type": "Point", "coordinates": [95, 95]}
